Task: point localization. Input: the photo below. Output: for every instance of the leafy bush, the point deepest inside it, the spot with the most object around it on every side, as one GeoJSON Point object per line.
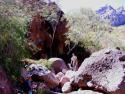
{"type": "Point", "coordinates": [86, 29]}
{"type": "Point", "coordinates": [13, 26]}
{"type": "Point", "coordinates": [45, 62]}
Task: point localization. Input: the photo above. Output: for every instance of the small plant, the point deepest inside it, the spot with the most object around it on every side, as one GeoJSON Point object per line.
{"type": "Point", "coordinates": [42, 91]}
{"type": "Point", "coordinates": [45, 63]}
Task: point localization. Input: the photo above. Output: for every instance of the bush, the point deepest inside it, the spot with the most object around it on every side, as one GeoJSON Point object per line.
{"type": "Point", "coordinates": [86, 29]}
{"type": "Point", "coordinates": [13, 26]}
{"type": "Point", "coordinates": [45, 63]}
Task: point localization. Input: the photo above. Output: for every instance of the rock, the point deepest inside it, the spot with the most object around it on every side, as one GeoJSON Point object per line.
{"type": "Point", "coordinates": [67, 87]}
{"type": "Point", "coordinates": [5, 85]}
{"type": "Point", "coordinates": [106, 69]}
{"type": "Point", "coordinates": [41, 30]}
{"type": "Point", "coordinates": [77, 81]}
{"type": "Point", "coordinates": [85, 92]}
{"type": "Point", "coordinates": [59, 75]}
{"type": "Point", "coordinates": [42, 86]}
{"type": "Point", "coordinates": [82, 80]}
{"type": "Point", "coordinates": [36, 86]}
{"type": "Point", "coordinates": [63, 80]}
{"type": "Point", "coordinates": [23, 73]}
{"type": "Point", "coordinates": [70, 74]}
{"type": "Point", "coordinates": [58, 64]}
{"type": "Point", "coordinates": [37, 69]}
{"type": "Point", "coordinates": [50, 80]}
{"type": "Point", "coordinates": [43, 73]}
{"type": "Point", "coordinates": [122, 58]}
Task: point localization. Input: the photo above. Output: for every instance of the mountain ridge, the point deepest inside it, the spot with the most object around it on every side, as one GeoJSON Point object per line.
{"type": "Point", "coordinates": [115, 16]}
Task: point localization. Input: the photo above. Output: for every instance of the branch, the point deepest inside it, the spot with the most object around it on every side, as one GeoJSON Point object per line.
{"type": "Point", "coordinates": [71, 49]}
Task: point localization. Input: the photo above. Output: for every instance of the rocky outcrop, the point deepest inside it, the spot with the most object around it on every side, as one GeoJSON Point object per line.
{"type": "Point", "coordinates": [107, 69]}
{"type": "Point", "coordinates": [5, 85]}
{"type": "Point", "coordinates": [43, 74]}
{"type": "Point", "coordinates": [46, 34]}
{"type": "Point", "coordinates": [102, 73]}
{"type": "Point", "coordinates": [57, 65]}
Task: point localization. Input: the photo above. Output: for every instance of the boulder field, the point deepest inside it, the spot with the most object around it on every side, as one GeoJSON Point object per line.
{"type": "Point", "coordinates": [102, 73]}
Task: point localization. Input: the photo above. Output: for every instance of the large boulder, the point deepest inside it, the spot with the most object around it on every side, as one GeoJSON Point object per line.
{"type": "Point", "coordinates": [107, 69]}
{"type": "Point", "coordinates": [50, 80]}
{"type": "Point", "coordinates": [43, 74]}
{"type": "Point", "coordinates": [58, 64]}
{"type": "Point", "coordinates": [5, 85]}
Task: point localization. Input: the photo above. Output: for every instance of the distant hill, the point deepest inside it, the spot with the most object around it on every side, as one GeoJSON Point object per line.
{"type": "Point", "coordinates": [115, 16]}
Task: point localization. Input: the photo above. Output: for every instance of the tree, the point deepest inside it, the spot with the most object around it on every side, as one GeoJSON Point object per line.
{"type": "Point", "coordinates": [86, 28]}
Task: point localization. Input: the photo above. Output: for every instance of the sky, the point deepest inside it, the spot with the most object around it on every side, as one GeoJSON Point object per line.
{"type": "Point", "coordinates": [70, 5]}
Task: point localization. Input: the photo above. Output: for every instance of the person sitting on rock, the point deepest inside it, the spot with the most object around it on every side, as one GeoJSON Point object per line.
{"type": "Point", "coordinates": [74, 62]}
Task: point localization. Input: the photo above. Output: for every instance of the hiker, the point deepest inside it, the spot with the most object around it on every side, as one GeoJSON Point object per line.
{"type": "Point", "coordinates": [74, 63]}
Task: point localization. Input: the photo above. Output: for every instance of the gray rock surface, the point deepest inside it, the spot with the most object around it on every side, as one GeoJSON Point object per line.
{"type": "Point", "coordinates": [107, 70]}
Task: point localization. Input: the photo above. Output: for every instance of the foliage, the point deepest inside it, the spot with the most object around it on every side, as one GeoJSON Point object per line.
{"type": "Point", "coordinates": [49, 11]}
{"type": "Point", "coordinates": [86, 28]}
{"type": "Point", "coordinates": [114, 39]}
{"type": "Point", "coordinates": [42, 91]}
{"type": "Point", "coordinates": [13, 26]}
{"type": "Point", "coordinates": [45, 62]}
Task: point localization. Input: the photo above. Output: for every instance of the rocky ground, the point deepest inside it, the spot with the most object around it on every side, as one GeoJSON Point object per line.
{"type": "Point", "coordinates": [102, 73]}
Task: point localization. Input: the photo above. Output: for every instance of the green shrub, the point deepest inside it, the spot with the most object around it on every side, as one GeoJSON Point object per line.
{"type": "Point", "coordinates": [13, 26]}
{"type": "Point", "coordinates": [45, 62]}
{"type": "Point", "coordinates": [86, 29]}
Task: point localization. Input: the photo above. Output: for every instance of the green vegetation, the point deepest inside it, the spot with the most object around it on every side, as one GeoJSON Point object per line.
{"type": "Point", "coordinates": [89, 31]}
{"type": "Point", "coordinates": [43, 91]}
{"type": "Point", "coordinates": [45, 62]}
{"type": "Point", "coordinates": [13, 27]}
